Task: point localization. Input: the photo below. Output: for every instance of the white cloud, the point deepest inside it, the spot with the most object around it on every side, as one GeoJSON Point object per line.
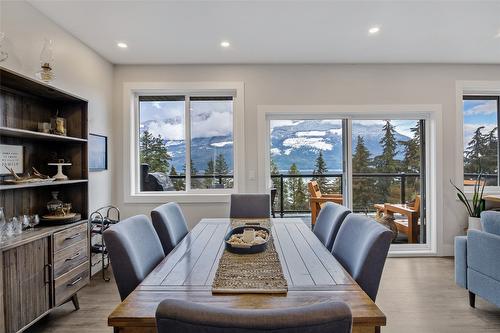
{"type": "Point", "coordinates": [484, 109]}
{"type": "Point", "coordinates": [215, 123]}
{"type": "Point", "coordinates": [332, 121]}
{"type": "Point", "coordinates": [311, 133]}
{"type": "Point", "coordinates": [315, 142]}
{"type": "Point", "coordinates": [279, 123]}
{"type": "Point", "coordinates": [221, 144]}
{"type": "Point", "coordinates": [167, 131]}
{"type": "Point", "coordinates": [275, 151]}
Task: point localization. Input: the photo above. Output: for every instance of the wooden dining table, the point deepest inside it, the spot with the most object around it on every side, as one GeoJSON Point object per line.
{"type": "Point", "coordinates": [313, 275]}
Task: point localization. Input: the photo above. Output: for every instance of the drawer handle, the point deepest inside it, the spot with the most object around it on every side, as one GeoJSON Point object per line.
{"type": "Point", "coordinates": [74, 282]}
{"type": "Point", "coordinates": [73, 257]}
{"type": "Point", "coordinates": [72, 237]}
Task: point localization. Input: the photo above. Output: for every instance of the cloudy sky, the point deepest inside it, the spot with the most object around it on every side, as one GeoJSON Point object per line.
{"type": "Point", "coordinates": [208, 118]}
{"type": "Point", "coordinates": [479, 113]}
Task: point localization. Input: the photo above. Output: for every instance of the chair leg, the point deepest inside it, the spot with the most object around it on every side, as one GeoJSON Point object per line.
{"type": "Point", "coordinates": [472, 299]}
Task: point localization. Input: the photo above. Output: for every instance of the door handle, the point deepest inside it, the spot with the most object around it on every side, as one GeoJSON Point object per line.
{"type": "Point", "coordinates": [74, 282]}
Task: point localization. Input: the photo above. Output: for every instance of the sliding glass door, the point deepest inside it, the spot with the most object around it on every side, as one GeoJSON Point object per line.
{"type": "Point", "coordinates": [375, 166]}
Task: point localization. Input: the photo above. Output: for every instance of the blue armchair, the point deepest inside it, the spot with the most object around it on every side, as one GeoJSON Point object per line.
{"type": "Point", "coordinates": [477, 267]}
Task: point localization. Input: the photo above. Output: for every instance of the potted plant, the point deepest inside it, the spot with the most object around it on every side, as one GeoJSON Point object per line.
{"type": "Point", "coordinates": [477, 204]}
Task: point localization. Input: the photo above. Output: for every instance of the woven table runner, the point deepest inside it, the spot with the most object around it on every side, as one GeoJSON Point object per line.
{"type": "Point", "coordinates": [259, 273]}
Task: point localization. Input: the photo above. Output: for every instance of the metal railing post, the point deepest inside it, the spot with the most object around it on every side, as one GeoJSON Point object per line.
{"type": "Point", "coordinates": [403, 188]}
{"type": "Point", "coordinates": [281, 196]}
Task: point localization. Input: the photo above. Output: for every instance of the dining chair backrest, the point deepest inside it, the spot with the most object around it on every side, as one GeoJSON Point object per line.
{"type": "Point", "coordinates": [170, 225]}
{"type": "Point", "coordinates": [250, 206]}
{"type": "Point", "coordinates": [134, 249]}
{"type": "Point", "coordinates": [328, 223]}
{"type": "Point", "coordinates": [361, 247]}
{"type": "Point", "coordinates": [187, 317]}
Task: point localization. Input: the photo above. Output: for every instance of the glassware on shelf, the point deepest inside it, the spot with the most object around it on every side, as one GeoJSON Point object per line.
{"type": "Point", "coordinates": [17, 226]}
{"type": "Point", "coordinates": [34, 220]}
{"type": "Point", "coordinates": [24, 220]}
{"type": "Point", "coordinates": [54, 205]}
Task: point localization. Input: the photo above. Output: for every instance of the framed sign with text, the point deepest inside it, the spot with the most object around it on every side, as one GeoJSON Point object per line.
{"type": "Point", "coordinates": [12, 157]}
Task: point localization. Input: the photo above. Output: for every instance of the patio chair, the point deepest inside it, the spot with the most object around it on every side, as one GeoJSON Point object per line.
{"type": "Point", "coordinates": [317, 200]}
{"type": "Point", "coordinates": [408, 225]}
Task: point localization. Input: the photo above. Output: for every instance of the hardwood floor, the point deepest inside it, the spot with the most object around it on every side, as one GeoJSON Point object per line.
{"type": "Point", "coordinates": [417, 295]}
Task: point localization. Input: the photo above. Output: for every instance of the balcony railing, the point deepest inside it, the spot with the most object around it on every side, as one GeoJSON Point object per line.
{"type": "Point", "coordinates": [400, 177]}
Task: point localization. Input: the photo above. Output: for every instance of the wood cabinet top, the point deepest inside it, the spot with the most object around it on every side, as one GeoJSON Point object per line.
{"type": "Point", "coordinates": [31, 235]}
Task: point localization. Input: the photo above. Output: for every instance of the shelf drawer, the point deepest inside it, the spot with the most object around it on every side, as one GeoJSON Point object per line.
{"type": "Point", "coordinates": [68, 237]}
{"type": "Point", "coordinates": [68, 284]}
{"type": "Point", "coordinates": [70, 257]}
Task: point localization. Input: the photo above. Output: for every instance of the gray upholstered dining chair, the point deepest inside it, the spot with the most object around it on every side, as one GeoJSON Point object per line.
{"type": "Point", "coordinates": [187, 317]}
{"type": "Point", "coordinates": [170, 225]}
{"type": "Point", "coordinates": [250, 206]}
{"type": "Point", "coordinates": [134, 249]}
{"type": "Point", "coordinates": [328, 223]}
{"type": "Point", "coordinates": [361, 248]}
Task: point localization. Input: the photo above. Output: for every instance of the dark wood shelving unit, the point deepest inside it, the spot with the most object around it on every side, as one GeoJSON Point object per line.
{"type": "Point", "coordinates": [24, 103]}
{"type": "Point", "coordinates": [44, 267]}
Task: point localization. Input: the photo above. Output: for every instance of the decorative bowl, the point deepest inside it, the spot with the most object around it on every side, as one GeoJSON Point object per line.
{"type": "Point", "coordinates": [246, 249]}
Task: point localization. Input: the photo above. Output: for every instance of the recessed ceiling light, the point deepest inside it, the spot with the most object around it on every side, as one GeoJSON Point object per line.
{"type": "Point", "coordinates": [225, 44]}
{"type": "Point", "coordinates": [122, 45]}
{"type": "Point", "coordinates": [498, 34]}
{"type": "Point", "coordinates": [374, 30]}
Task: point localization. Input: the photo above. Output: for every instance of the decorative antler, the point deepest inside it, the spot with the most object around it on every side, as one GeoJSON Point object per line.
{"type": "Point", "coordinates": [12, 172]}
{"type": "Point", "coordinates": [37, 174]}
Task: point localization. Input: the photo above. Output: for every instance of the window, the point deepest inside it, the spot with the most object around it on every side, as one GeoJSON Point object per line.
{"type": "Point", "coordinates": [301, 151]}
{"type": "Point", "coordinates": [185, 143]}
{"type": "Point", "coordinates": [480, 133]}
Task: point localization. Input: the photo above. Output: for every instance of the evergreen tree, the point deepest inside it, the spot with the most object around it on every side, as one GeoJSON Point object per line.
{"type": "Point", "coordinates": [221, 168]}
{"type": "Point", "coordinates": [209, 171]}
{"type": "Point", "coordinates": [363, 197]}
{"type": "Point", "coordinates": [297, 198]}
{"type": "Point", "coordinates": [474, 152]}
{"type": "Point", "coordinates": [386, 163]}
{"type": "Point", "coordinates": [411, 149]}
{"type": "Point", "coordinates": [321, 169]}
{"type": "Point", "coordinates": [178, 182]}
{"type": "Point", "coordinates": [276, 183]}
{"type": "Point", "coordinates": [195, 182]}
{"type": "Point", "coordinates": [411, 160]}
{"type": "Point", "coordinates": [154, 152]}
{"type": "Point", "coordinates": [489, 160]}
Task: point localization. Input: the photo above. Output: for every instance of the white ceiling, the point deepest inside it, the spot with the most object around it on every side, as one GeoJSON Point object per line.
{"type": "Point", "coordinates": [190, 32]}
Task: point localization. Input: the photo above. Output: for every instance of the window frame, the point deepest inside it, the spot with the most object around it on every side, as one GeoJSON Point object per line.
{"type": "Point", "coordinates": [431, 113]}
{"type": "Point", "coordinates": [131, 160]}
{"type": "Point", "coordinates": [479, 97]}
{"type": "Point", "coordinates": [464, 88]}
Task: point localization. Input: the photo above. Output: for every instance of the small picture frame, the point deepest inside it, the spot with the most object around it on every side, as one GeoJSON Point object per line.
{"type": "Point", "coordinates": [98, 152]}
{"type": "Point", "coordinates": [11, 156]}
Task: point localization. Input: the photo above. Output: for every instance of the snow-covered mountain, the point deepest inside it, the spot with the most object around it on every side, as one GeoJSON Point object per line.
{"type": "Point", "coordinates": [301, 142]}
{"type": "Point", "coordinates": [298, 142]}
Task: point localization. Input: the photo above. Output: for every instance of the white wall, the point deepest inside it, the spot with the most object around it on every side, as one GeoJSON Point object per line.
{"type": "Point", "coordinates": [322, 85]}
{"type": "Point", "coordinates": [79, 70]}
